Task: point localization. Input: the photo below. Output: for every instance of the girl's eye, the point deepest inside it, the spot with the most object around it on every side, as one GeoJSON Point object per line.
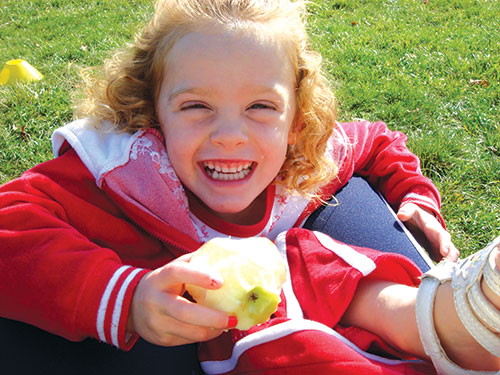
{"type": "Point", "coordinates": [262, 106]}
{"type": "Point", "coordinates": [193, 106]}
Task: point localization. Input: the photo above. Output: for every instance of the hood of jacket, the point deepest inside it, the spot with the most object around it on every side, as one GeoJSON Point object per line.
{"type": "Point", "coordinates": [134, 169]}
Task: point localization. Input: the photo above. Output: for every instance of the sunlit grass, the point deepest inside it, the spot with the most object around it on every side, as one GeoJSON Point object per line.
{"type": "Point", "coordinates": [428, 68]}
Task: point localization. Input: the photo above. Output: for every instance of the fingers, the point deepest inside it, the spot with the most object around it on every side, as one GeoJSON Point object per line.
{"type": "Point", "coordinates": [186, 312]}
{"type": "Point", "coordinates": [167, 331]}
{"type": "Point", "coordinates": [443, 242]}
{"type": "Point", "coordinates": [186, 335]}
{"type": "Point", "coordinates": [162, 316]}
{"type": "Point", "coordinates": [422, 221]}
{"type": "Point", "coordinates": [448, 250]}
{"type": "Point", "coordinates": [406, 212]}
{"type": "Point", "coordinates": [173, 276]}
{"type": "Point", "coordinates": [166, 319]}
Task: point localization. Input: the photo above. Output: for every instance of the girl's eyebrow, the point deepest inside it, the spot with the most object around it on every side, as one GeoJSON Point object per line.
{"type": "Point", "coordinates": [276, 90]}
{"type": "Point", "coordinates": [188, 90]}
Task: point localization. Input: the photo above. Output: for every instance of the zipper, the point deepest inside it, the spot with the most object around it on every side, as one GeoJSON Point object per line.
{"type": "Point", "coordinates": [158, 237]}
{"type": "Point", "coordinates": [123, 205]}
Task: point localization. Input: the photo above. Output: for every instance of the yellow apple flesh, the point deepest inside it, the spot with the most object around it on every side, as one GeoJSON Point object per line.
{"type": "Point", "coordinates": [252, 271]}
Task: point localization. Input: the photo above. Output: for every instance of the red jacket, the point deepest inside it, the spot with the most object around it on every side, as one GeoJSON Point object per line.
{"type": "Point", "coordinates": [304, 336]}
{"type": "Point", "coordinates": [78, 232]}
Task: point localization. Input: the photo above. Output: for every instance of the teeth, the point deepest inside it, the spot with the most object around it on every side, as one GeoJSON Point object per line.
{"type": "Point", "coordinates": [228, 172]}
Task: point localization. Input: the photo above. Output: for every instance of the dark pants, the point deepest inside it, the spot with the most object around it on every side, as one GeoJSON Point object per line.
{"type": "Point", "coordinates": [361, 218]}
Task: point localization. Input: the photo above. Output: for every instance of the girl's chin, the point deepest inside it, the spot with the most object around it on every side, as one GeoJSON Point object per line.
{"type": "Point", "coordinates": [248, 215]}
{"type": "Point", "coordinates": [236, 212]}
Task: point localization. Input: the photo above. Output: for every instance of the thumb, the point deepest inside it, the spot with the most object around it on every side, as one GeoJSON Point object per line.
{"type": "Point", "coordinates": [406, 212]}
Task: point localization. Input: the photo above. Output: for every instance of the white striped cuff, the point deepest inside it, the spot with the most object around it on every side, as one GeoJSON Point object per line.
{"type": "Point", "coordinates": [111, 305]}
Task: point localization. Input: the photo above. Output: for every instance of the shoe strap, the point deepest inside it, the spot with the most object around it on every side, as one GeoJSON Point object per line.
{"type": "Point", "coordinates": [477, 314]}
{"type": "Point", "coordinates": [466, 277]}
{"type": "Point", "coordinates": [491, 273]}
{"type": "Point", "coordinates": [425, 321]}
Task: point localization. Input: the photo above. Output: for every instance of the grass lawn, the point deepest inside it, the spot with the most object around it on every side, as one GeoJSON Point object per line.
{"type": "Point", "coordinates": [430, 68]}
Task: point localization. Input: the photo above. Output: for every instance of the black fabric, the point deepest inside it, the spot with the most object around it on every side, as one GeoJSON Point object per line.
{"type": "Point", "coordinates": [362, 217]}
{"type": "Point", "coordinates": [27, 350]}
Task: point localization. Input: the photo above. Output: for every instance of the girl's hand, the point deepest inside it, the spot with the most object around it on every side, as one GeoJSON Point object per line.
{"type": "Point", "coordinates": [423, 222]}
{"type": "Point", "coordinates": [160, 315]}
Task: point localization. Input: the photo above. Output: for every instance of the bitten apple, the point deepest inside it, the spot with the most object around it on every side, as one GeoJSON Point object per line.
{"type": "Point", "coordinates": [252, 271]}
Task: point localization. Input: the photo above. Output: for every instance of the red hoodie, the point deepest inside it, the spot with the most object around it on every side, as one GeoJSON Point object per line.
{"type": "Point", "coordinates": [78, 232]}
{"type": "Point", "coordinates": [304, 336]}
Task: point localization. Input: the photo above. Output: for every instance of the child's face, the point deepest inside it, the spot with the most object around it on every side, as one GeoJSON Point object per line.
{"type": "Point", "coordinates": [226, 108]}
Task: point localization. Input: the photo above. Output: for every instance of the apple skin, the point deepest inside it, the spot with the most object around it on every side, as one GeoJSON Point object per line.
{"type": "Point", "coordinates": [252, 271]}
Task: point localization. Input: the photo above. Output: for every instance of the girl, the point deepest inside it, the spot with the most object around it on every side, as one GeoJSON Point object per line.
{"type": "Point", "coordinates": [217, 122]}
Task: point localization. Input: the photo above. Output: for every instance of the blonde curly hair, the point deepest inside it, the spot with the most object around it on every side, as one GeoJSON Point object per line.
{"type": "Point", "coordinates": [125, 94]}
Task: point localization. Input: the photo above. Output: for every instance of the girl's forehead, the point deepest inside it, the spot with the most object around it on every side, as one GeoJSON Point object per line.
{"type": "Point", "coordinates": [205, 45]}
{"type": "Point", "coordinates": [227, 61]}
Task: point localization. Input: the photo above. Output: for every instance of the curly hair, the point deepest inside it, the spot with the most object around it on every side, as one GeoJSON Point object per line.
{"type": "Point", "coordinates": [125, 94]}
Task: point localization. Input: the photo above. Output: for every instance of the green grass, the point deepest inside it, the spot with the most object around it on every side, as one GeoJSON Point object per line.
{"type": "Point", "coordinates": [58, 37]}
{"type": "Point", "coordinates": [414, 64]}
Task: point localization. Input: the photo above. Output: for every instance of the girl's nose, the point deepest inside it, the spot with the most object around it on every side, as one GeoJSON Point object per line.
{"type": "Point", "coordinates": [229, 133]}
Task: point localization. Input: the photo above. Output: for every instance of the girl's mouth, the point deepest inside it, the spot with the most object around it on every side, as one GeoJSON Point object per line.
{"type": "Point", "coordinates": [228, 171]}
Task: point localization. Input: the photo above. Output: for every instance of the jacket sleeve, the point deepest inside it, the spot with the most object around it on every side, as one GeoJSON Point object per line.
{"type": "Point", "coordinates": [53, 273]}
{"type": "Point", "coordinates": [381, 156]}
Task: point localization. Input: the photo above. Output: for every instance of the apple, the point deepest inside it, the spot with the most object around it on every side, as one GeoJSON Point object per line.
{"type": "Point", "coordinates": [252, 271]}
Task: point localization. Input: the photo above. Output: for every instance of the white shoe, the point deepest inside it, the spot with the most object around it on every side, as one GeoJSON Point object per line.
{"type": "Point", "coordinates": [477, 314]}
